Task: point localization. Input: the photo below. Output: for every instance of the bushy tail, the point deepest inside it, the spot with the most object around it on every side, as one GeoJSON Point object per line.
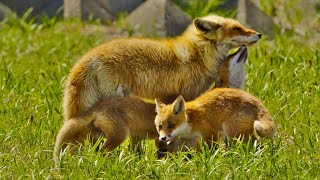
{"type": "Point", "coordinates": [73, 131]}
{"type": "Point", "coordinates": [264, 127]}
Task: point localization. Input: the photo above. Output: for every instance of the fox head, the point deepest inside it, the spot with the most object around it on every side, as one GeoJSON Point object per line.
{"type": "Point", "coordinates": [171, 120]}
{"type": "Point", "coordinates": [232, 72]}
{"type": "Point", "coordinates": [225, 31]}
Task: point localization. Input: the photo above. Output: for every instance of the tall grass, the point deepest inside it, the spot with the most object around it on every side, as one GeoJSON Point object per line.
{"type": "Point", "coordinates": [35, 60]}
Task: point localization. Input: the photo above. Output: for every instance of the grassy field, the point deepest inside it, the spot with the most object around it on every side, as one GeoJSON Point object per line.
{"type": "Point", "coordinates": [36, 58]}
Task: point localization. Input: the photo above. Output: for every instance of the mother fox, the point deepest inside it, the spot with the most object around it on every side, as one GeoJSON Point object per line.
{"type": "Point", "coordinates": [185, 65]}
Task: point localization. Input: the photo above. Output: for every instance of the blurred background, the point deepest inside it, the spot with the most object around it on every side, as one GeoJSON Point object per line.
{"type": "Point", "coordinates": [300, 18]}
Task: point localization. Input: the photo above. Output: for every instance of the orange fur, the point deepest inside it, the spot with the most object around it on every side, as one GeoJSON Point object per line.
{"type": "Point", "coordinates": [221, 112]}
{"type": "Point", "coordinates": [231, 74]}
{"type": "Point", "coordinates": [150, 68]}
{"type": "Point", "coordinates": [123, 114]}
{"type": "Point", "coordinates": [115, 119]}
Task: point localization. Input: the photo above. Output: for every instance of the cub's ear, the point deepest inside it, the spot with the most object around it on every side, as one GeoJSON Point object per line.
{"type": "Point", "coordinates": [206, 26]}
{"type": "Point", "coordinates": [178, 105]}
{"type": "Point", "coordinates": [159, 104]}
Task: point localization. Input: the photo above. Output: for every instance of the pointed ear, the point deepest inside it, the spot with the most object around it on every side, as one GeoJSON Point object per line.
{"type": "Point", "coordinates": [178, 105]}
{"type": "Point", "coordinates": [159, 104]}
{"type": "Point", "coordinates": [206, 26]}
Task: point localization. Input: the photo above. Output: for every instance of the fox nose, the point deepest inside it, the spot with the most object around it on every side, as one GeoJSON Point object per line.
{"type": "Point", "coordinates": [163, 138]}
{"type": "Point", "coordinates": [260, 35]}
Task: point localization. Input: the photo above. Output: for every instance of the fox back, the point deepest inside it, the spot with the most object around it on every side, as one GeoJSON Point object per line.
{"type": "Point", "coordinates": [220, 112]}
{"type": "Point", "coordinates": [150, 68]}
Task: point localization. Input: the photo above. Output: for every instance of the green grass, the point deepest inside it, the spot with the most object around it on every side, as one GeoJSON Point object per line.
{"type": "Point", "coordinates": [36, 58]}
{"type": "Point", "coordinates": [201, 8]}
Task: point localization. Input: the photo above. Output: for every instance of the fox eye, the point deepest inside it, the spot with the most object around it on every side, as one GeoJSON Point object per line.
{"type": "Point", "coordinates": [237, 28]}
{"type": "Point", "coordinates": [160, 126]}
{"type": "Point", "coordinates": [170, 126]}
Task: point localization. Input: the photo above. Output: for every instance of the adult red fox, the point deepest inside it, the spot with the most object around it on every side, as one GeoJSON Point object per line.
{"type": "Point", "coordinates": [154, 68]}
{"type": "Point", "coordinates": [120, 117]}
{"type": "Point", "coordinates": [222, 112]}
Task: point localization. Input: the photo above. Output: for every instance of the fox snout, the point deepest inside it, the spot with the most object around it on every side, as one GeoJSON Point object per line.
{"type": "Point", "coordinates": [245, 39]}
{"type": "Point", "coordinates": [165, 138]}
{"type": "Point", "coordinates": [256, 37]}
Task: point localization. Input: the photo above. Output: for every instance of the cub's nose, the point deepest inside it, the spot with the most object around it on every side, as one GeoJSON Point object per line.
{"type": "Point", "coordinates": [163, 138]}
{"type": "Point", "coordinates": [260, 35]}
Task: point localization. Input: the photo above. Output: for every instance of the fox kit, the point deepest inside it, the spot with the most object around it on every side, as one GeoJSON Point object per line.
{"type": "Point", "coordinates": [115, 119]}
{"type": "Point", "coordinates": [222, 112]}
{"type": "Point", "coordinates": [154, 68]}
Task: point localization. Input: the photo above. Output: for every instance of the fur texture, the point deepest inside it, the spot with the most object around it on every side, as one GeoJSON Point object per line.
{"type": "Point", "coordinates": [119, 117]}
{"type": "Point", "coordinates": [149, 68]}
{"type": "Point", "coordinates": [115, 119]}
{"type": "Point", "coordinates": [222, 112]}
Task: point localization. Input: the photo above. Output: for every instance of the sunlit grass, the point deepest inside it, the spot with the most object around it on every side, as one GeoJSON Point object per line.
{"type": "Point", "coordinates": [35, 60]}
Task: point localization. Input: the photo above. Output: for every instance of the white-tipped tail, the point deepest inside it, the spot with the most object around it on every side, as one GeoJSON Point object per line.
{"type": "Point", "coordinates": [265, 128]}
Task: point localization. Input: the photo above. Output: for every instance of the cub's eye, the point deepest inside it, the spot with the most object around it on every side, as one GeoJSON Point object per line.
{"type": "Point", "coordinates": [237, 28]}
{"type": "Point", "coordinates": [160, 127]}
{"type": "Point", "coordinates": [170, 126]}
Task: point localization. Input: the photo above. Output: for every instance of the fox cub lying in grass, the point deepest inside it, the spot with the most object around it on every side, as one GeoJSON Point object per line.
{"type": "Point", "coordinates": [119, 117]}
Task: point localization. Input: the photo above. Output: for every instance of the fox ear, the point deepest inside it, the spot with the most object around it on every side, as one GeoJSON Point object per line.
{"type": "Point", "coordinates": [159, 104]}
{"type": "Point", "coordinates": [178, 105]}
{"type": "Point", "coordinates": [206, 26]}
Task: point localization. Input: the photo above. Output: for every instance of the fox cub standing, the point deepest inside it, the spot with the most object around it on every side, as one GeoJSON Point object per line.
{"type": "Point", "coordinates": [119, 117]}
{"type": "Point", "coordinates": [151, 68]}
{"type": "Point", "coordinates": [115, 119]}
{"type": "Point", "coordinates": [222, 112]}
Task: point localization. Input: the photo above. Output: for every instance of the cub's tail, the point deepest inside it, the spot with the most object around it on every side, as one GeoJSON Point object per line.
{"type": "Point", "coordinates": [264, 127]}
{"type": "Point", "coordinates": [73, 131]}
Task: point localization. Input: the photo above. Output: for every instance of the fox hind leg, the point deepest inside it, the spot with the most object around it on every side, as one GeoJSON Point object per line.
{"type": "Point", "coordinates": [115, 134]}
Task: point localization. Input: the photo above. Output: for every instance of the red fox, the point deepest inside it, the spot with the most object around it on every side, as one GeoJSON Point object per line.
{"type": "Point", "coordinates": [222, 112]}
{"type": "Point", "coordinates": [115, 119]}
{"type": "Point", "coordinates": [119, 117]}
{"type": "Point", "coordinates": [154, 68]}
